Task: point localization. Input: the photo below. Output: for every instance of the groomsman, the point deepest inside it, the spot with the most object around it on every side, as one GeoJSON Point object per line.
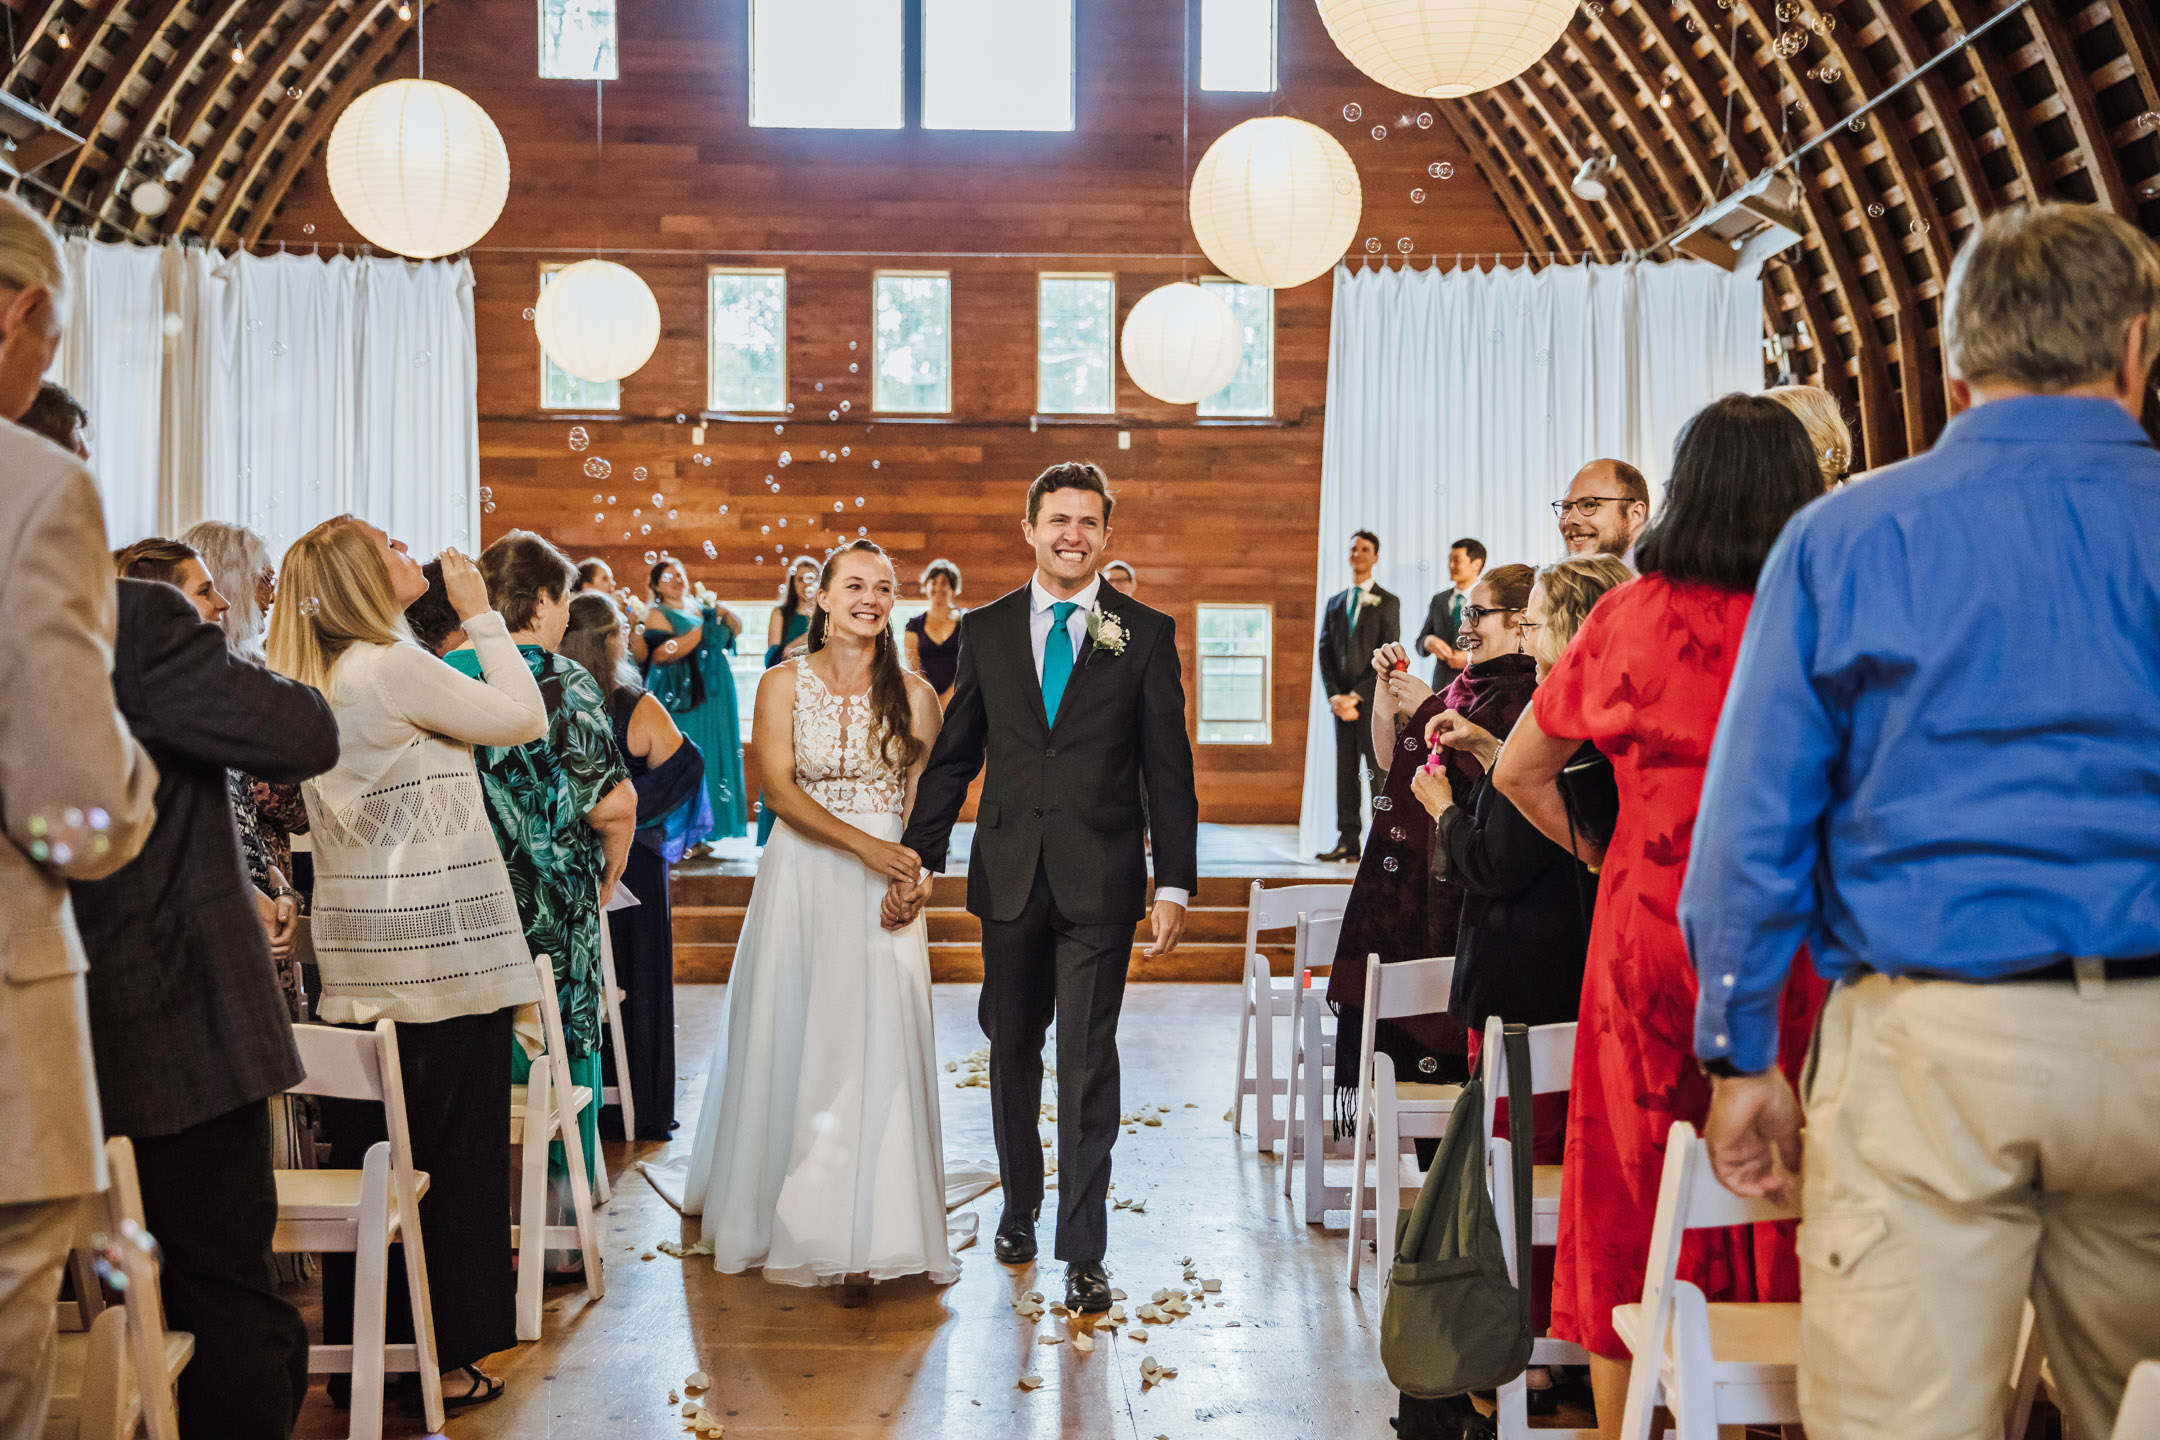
{"type": "Point", "coordinates": [1443, 617]}
{"type": "Point", "coordinates": [1358, 621]}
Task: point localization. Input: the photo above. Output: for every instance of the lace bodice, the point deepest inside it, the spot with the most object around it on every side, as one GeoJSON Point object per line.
{"type": "Point", "coordinates": [834, 762]}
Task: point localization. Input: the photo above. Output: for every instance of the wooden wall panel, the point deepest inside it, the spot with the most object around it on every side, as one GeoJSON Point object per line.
{"type": "Point", "coordinates": [1221, 511]}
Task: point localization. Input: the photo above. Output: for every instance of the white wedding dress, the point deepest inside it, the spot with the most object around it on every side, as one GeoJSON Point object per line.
{"type": "Point", "coordinates": [818, 1154]}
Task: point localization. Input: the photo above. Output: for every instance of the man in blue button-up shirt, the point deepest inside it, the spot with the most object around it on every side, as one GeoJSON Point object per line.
{"type": "Point", "coordinates": [1939, 767]}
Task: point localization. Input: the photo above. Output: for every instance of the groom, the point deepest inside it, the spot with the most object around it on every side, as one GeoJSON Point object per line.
{"type": "Point", "coordinates": [1071, 693]}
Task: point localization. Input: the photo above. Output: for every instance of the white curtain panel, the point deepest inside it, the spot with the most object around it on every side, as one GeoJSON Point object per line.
{"type": "Point", "coordinates": [276, 391]}
{"type": "Point", "coordinates": [1461, 402]}
{"type": "Point", "coordinates": [109, 359]}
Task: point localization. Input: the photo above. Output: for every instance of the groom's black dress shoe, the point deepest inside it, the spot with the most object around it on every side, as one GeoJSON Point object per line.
{"type": "Point", "coordinates": [1087, 1288]}
{"type": "Point", "coordinates": [1344, 851]}
{"type": "Point", "coordinates": [1016, 1243]}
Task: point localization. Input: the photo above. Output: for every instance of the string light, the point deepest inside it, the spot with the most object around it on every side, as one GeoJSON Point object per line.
{"type": "Point", "coordinates": [239, 52]}
{"type": "Point", "coordinates": [404, 10]}
{"type": "Point", "coordinates": [61, 36]}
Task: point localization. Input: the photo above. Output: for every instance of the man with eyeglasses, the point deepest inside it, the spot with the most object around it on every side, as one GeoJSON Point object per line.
{"type": "Point", "coordinates": [1357, 622]}
{"type": "Point", "coordinates": [1606, 507]}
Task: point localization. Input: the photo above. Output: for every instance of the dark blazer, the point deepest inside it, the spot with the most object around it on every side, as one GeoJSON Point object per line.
{"type": "Point", "coordinates": [1071, 793]}
{"type": "Point", "coordinates": [1442, 617]}
{"type": "Point", "coordinates": [1525, 916]}
{"type": "Point", "coordinates": [1346, 652]}
{"type": "Point", "coordinates": [186, 1017]}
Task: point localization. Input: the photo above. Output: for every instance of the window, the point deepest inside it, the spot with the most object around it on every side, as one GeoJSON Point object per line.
{"type": "Point", "coordinates": [1075, 316]}
{"type": "Point", "coordinates": [913, 363]}
{"type": "Point", "coordinates": [560, 390]}
{"type": "Point", "coordinates": [996, 64]}
{"type": "Point", "coordinates": [1234, 643]}
{"type": "Point", "coordinates": [746, 339]}
{"type": "Point", "coordinates": [1252, 390]}
{"type": "Point", "coordinates": [577, 39]}
{"type": "Point", "coordinates": [1237, 44]}
{"type": "Point", "coordinates": [832, 65]}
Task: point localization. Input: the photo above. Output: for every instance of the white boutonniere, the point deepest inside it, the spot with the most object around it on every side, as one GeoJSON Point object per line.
{"type": "Point", "coordinates": [1106, 630]}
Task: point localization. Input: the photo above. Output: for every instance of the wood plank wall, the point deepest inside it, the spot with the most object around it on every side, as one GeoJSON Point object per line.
{"type": "Point", "coordinates": [1206, 511]}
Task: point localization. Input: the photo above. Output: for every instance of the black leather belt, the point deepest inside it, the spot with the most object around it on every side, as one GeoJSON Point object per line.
{"type": "Point", "coordinates": [2137, 967]}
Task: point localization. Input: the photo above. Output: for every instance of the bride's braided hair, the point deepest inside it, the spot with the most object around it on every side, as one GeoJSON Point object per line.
{"type": "Point", "coordinates": [892, 716]}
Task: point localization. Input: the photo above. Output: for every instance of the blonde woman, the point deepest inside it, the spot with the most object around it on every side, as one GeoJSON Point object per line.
{"type": "Point", "coordinates": [413, 917]}
{"type": "Point", "coordinates": [1824, 420]}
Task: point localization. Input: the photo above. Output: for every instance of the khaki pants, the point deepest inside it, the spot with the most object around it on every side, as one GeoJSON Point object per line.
{"type": "Point", "coordinates": [1968, 1147]}
{"type": "Point", "coordinates": [33, 1246]}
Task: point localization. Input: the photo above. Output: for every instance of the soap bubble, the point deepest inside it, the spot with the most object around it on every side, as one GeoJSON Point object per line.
{"type": "Point", "coordinates": [1353, 112]}
{"type": "Point", "coordinates": [1787, 10]}
{"type": "Point", "coordinates": [1858, 124]}
{"type": "Point", "coordinates": [710, 552]}
{"type": "Point", "coordinates": [596, 499]}
{"type": "Point", "coordinates": [783, 522]}
{"type": "Point", "coordinates": [651, 557]}
{"type": "Point", "coordinates": [658, 499]}
{"type": "Point", "coordinates": [843, 407]}
{"type": "Point", "coordinates": [836, 505]}
{"type": "Point", "coordinates": [488, 508]}
{"type": "Point", "coordinates": [1390, 864]}
{"type": "Point", "coordinates": [312, 606]}
{"type": "Point", "coordinates": [858, 502]}
{"type": "Point", "coordinates": [278, 347]}
{"type": "Point", "coordinates": [645, 529]}
{"type": "Point", "coordinates": [578, 438]}
{"type": "Point", "coordinates": [1875, 211]}
{"type": "Point", "coordinates": [1920, 227]}
{"type": "Point", "coordinates": [597, 468]}
{"type": "Point", "coordinates": [307, 229]}
{"type": "Point", "coordinates": [819, 387]}
{"type": "Point", "coordinates": [875, 464]}
{"type": "Point", "coordinates": [1441, 169]}
{"type": "Point", "coordinates": [1417, 197]}
{"type": "Point", "coordinates": [786, 459]}
{"type": "Point", "coordinates": [1379, 132]}
{"type": "Point", "coordinates": [759, 559]}
{"type": "Point", "coordinates": [862, 530]}
{"type": "Point", "coordinates": [635, 513]}
{"type": "Point", "coordinates": [764, 529]}
{"type": "Point", "coordinates": [843, 449]}
{"type": "Point", "coordinates": [1829, 73]}
{"type": "Point", "coordinates": [723, 509]}
{"type": "Point", "coordinates": [2150, 120]}
{"type": "Point", "coordinates": [779, 429]}
{"type": "Point", "coordinates": [1834, 457]}
{"type": "Point", "coordinates": [1789, 44]}
{"type": "Point", "coordinates": [671, 514]}
{"type": "Point", "coordinates": [832, 414]}
{"type": "Point", "coordinates": [1424, 120]}
{"type": "Point", "coordinates": [1822, 23]}
{"type": "Point", "coordinates": [1372, 244]}
{"type": "Point", "coordinates": [639, 474]}
{"type": "Point", "coordinates": [611, 500]}
{"type": "Point", "coordinates": [852, 367]}
{"type": "Point", "coordinates": [1398, 834]}
{"type": "Point", "coordinates": [1593, 9]}
{"type": "Point", "coordinates": [790, 407]}
{"type": "Point", "coordinates": [599, 519]}
{"type": "Point", "coordinates": [421, 357]}
{"type": "Point", "coordinates": [1404, 245]}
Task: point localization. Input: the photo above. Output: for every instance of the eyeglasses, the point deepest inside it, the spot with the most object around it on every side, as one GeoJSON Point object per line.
{"type": "Point", "coordinates": [1529, 628]}
{"type": "Point", "coordinates": [1472, 614]}
{"type": "Point", "coordinates": [1587, 506]}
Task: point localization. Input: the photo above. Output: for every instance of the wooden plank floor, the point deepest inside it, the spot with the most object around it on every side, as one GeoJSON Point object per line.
{"type": "Point", "coordinates": [1290, 1355]}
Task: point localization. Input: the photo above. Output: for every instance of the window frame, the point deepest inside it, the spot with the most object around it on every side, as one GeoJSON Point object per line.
{"type": "Point", "coordinates": [547, 269]}
{"type": "Point", "coordinates": [1201, 411]}
{"type": "Point", "coordinates": [1109, 345]}
{"type": "Point", "coordinates": [712, 404]}
{"type": "Point", "coordinates": [1274, 9]}
{"type": "Point", "coordinates": [921, 41]}
{"type": "Point", "coordinates": [1267, 673]}
{"type": "Point", "coordinates": [877, 355]}
{"type": "Point", "coordinates": [615, 48]}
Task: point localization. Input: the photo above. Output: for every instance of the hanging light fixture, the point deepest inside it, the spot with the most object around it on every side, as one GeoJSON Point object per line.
{"type": "Point", "coordinates": [597, 320]}
{"type": "Point", "coordinates": [60, 37]}
{"type": "Point", "coordinates": [418, 168]}
{"type": "Point", "coordinates": [1181, 344]}
{"type": "Point", "coordinates": [239, 51]}
{"type": "Point", "coordinates": [1443, 49]}
{"type": "Point", "coordinates": [1589, 181]}
{"type": "Point", "coordinates": [1275, 201]}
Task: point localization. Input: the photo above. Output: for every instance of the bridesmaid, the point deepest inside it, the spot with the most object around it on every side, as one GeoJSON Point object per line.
{"type": "Point", "coordinates": [933, 637]}
{"type": "Point", "coordinates": [784, 639]}
{"type": "Point", "coordinates": [687, 645]}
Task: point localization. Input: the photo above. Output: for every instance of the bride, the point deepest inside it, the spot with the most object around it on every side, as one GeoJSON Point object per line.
{"type": "Point", "coordinates": [818, 1155]}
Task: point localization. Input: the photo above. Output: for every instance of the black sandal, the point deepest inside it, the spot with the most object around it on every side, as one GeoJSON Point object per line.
{"type": "Point", "coordinates": [481, 1387]}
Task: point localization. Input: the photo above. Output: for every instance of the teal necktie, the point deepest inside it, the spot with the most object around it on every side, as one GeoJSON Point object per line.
{"type": "Point", "coordinates": [1057, 657]}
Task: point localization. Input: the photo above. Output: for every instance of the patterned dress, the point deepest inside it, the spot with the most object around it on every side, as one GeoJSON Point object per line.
{"type": "Point", "coordinates": [699, 691]}
{"type": "Point", "coordinates": [1645, 678]}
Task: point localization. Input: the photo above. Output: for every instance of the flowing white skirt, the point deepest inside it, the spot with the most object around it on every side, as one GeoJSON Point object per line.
{"type": "Point", "coordinates": [818, 1153]}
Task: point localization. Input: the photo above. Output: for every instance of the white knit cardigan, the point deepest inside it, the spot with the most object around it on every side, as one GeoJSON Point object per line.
{"type": "Point", "coordinates": [413, 916]}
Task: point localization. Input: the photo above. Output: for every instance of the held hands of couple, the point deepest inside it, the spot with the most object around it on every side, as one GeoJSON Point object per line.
{"type": "Point", "coordinates": [1753, 1135]}
{"type": "Point", "coordinates": [904, 900]}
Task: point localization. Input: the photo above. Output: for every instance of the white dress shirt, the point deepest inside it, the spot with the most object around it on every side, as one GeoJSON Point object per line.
{"type": "Point", "coordinates": [1040, 617]}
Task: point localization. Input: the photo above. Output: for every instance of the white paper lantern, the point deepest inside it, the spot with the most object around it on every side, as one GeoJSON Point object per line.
{"type": "Point", "coordinates": [418, 168]}
{"type": "Point", "coordinates": [597, 320]}
{"type": "Point", "coordinates": [1181, 344]}
{"type": "Point", "coordinates": [1442, 49]}
{"type": "Point", "coordinates": [1275, 201]}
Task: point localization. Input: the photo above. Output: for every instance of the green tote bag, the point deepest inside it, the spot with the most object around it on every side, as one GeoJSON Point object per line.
{"type": "Point", "coordinates": [1454, 1322]}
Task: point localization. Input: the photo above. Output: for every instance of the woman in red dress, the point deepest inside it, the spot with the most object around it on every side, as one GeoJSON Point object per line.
{"type": "Point", "coordinates": [1645, 679]}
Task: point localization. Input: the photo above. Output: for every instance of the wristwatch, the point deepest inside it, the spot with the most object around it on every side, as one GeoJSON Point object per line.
{"type": "Point", "coordinates": [1722, 1068]}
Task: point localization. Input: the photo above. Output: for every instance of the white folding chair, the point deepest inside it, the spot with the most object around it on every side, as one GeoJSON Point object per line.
{"type": "Point", "coordinates": [611, 995]}
{"type": "Point", "coordinates": [546, 1108]}
{"type": "Point", "coordinates": [1312, 1060]}
{"type": "Point", "coordinates": [117, 1372]}
{"type": "Point", "coordinates": [363, 1212]}
{"type": "Point", "coordinates": [2139, 1416]}
{"type": "Point", "coordinates": [1392, 1113]}
{"type": "Point", "coordinates": [1552, 1064]}
{"type": "Point", "coordinates": [1711, 1365]}
{"type": "Point", "coordinates": [1265, 998]}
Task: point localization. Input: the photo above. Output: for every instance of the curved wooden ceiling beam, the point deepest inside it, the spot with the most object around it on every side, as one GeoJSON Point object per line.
{"type": "Point", "coordinates": [1637, 59]}
{"type": "Point", "coordinates": [1553, 174]}
{"type": "Point", "coordinates": [1539, 200]}
{"type": "Point", "coordinates": [25, 43]}
{"type": "Point", "coordinates": [1463, 121]}
{"type": "Point", "coordinates": [265, 85]}
{"type": "Point", "coordinates": [2000, 91]}
{"type": "Point", "coordinates": [68, 66]}
{"type": "Point", "coordinates": [185, 61]}
{"type": "Point", "coordinates": [105, 102]}
{"type": "Point", "coordinates": [1560, 122]}
{"type": "Point", "coordinates": [340, 93]}
{"type": "Point", "coordinates": [1654, 217]}
{"type": "Point", "coordinates": [2071, 83]}
{"type": "Point", "coordinates": [1938, 102]}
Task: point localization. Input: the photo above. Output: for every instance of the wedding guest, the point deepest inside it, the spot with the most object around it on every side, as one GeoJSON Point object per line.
{"type": "Point", "coordinates": [688, 641]}
{"type": "Point", "coordinates": [419, 924]}
{"type": "Point", "coordinates": [1443, 616]}
{"type": "Point", "coordinates": [268, 815]}
{"type": "Point", "coordinates": [1356, 622]}
{"type": "Point", "coordinates": [785, 638]}
{"type": "Point", "coordinates": [674, 813]}
{"type": "Point", "coordinates": [1824, 420]}
{"type": "Point", "coordinates": [177, 565]}
{"type": "Point", "coordinates": [1605, 508]}
{"type": "Point", "coordinates": [1122, 578]}
{"type": "Point", "coordinates": [60, 418]}
{"type": "Point", "coordinates": [1394, 909]}
{"type": "Point", "coordinates": [593, 573]}
{"type": "Point", "coordinates": [63, 750]}
{"type": "Point", "coordinates": [433, 620]}
{"type": "Point", "coordinates": [1644, 679]}
{"type": "Point", "coordinates": [189, 1018]}
{"type": "Point", "coordinates": [1950, 788]}
{"type": "Point", "coordinates": [562, 805]}
{"type": "Point", "coordinates": [933, 637]}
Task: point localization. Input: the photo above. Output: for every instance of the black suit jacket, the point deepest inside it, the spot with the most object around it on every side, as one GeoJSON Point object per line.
{"type": "Point", "coordinates": [1072, 792]}
{"type": "Point", "coordinates": [186, 1017]}
{"type": "Point", "coordinates": [1441, 621]}
{"type": "Point", "coordinates": [1346, 652]}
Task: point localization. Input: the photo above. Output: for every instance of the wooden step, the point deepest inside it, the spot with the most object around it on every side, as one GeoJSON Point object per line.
{"type": "Point", "coordinates": [708, 963]}
{"type": "Point", "coordinates": [702, 883]}
{"type": "Point", "coordinates": [719, 923]}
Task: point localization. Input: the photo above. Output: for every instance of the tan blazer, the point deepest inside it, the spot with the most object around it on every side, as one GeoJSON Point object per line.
{"type": "Point", "coordinates": [63, 746]}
